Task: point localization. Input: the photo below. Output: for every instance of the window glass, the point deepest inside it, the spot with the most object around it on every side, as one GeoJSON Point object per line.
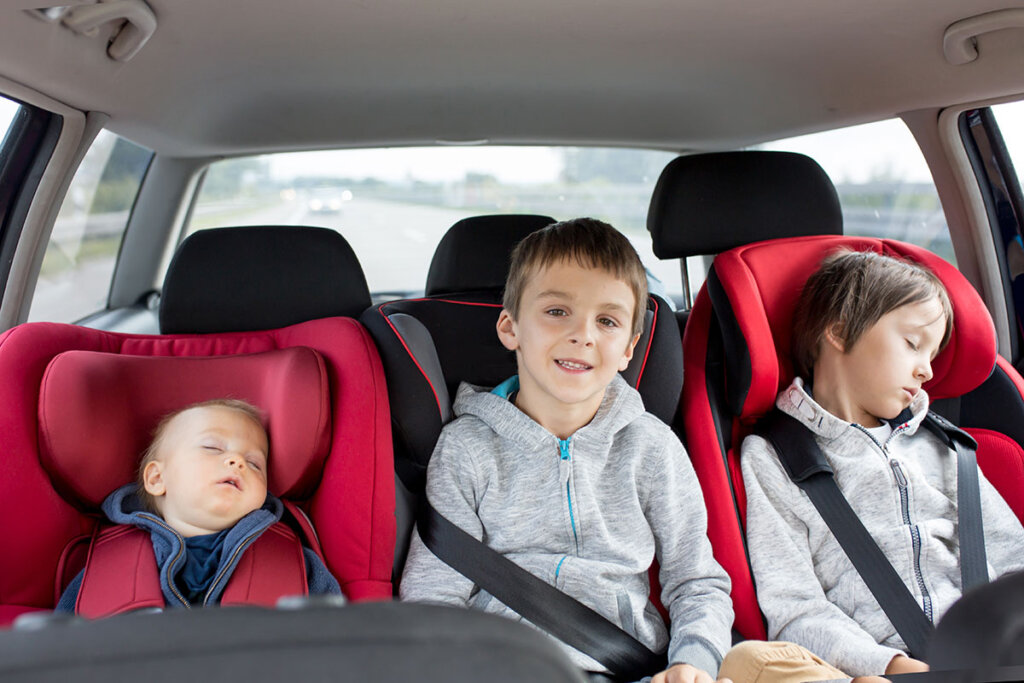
{"type": "Point", "coordinates": [75, 277]}
{"type": "Point", "coordinates": [394, 205]}
{"type": "Point", "coordinates": [1010, 118]}
{"type": "Point", "coordinates": [884, 186]}
{"type": "Point", "coordinates": [8, 109]}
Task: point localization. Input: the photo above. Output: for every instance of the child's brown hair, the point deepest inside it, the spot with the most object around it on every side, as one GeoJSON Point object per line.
{"type": "Point", "coordinates": [590, 243]}
{"type": "Point", "coordinates": [850, 292]}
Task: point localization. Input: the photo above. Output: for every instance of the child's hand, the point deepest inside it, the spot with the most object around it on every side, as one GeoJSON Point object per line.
{"type": "Point", "coordinates": [684, 673]}
{"type": "Point", "coordinates": [905, 665]}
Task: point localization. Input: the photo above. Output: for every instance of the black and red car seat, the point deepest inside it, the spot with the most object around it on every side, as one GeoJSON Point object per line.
{"type": "Point", "coordinates": [79, 405]}
{"type": "Point", "coordinates": [737, 347]}
{"type": "Point", "coordinates": [431, 344]}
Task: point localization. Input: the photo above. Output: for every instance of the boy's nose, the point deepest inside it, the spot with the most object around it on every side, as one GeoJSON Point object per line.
{"type": "Point", "coordinates": [234, 461]}
{"type": "Point", "coordinates": [924, 371]}
{"type": "Point", "coordinates": [583, 334]}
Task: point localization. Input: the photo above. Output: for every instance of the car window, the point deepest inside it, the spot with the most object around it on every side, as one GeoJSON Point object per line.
{"type": "Point", "coordinates": [394, 205]}
{"type": "Point", "coordinates": [8, 109]}
{"type": "Point", "coordinates": [884, 185]}
{"type": "Point", "coordinates": [75, 277]}
{"type": "Point", "coordinates": [1010, 118]}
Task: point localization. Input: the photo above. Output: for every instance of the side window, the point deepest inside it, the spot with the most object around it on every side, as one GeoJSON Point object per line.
{"type": "Point", "coordinates": [884, 185]}
{"type": "Point", "coordinates": [994, 139]}
{"type": "Point", "coordinates": [8, 109]}
{"type": "Point", "coordinates": [75, 277]}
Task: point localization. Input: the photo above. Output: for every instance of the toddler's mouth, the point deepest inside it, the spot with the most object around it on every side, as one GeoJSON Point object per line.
{"type": "Point", "coordinates": [232, 481]}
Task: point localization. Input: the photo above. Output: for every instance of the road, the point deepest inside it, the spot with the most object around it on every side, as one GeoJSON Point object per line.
{"type": "Point", "coordinates": [394, 242]}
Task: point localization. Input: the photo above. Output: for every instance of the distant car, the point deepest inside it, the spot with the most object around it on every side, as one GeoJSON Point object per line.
{"type": "Point", "coordinates": [328, 201]}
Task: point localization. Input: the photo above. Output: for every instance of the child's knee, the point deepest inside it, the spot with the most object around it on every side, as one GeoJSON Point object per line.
{"type": "Point", "coordinates": [758, 661]}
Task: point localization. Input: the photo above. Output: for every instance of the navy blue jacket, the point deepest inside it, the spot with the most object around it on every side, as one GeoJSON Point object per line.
{"type": "Point", "coordinates": [123, 507]}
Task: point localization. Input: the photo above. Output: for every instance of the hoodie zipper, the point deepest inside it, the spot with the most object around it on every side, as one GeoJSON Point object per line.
{"type": "Point", "coordinates": [915, 533]}
{"type": "Point", "coordinates": [565, 456]}
{"type": "Point", "coordinates": [174, 560]}
{"type": "Point", "coordinates": [230, 563]}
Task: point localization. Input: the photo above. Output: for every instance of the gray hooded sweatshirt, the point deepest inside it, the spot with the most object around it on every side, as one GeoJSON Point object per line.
{"type": "Point", "coordinates": [588, 515]}
{"type": "Point", "coordinates": [904, 490]}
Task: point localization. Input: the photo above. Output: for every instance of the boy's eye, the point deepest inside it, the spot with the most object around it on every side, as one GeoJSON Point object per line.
{"type": "Point", "coordinates": [608, 322]}
{"type": "Point", "coordinates": [212, 447]}
{"type": "Point", "coordinates": [558, 312]}
{"type": "Point", "coordinates": [256, 465]}
{"type": "Point", "coordinates": [912, 345]}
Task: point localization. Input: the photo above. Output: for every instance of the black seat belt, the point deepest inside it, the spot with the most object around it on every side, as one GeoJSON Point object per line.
{"type": "Point", "coordinates": [805, 464]}
{"type": "Point", "coordinates": [537, 601]}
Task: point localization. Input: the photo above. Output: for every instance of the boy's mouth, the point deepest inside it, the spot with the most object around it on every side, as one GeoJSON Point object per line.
{"type": "Point", "coordinates": [573, 365]}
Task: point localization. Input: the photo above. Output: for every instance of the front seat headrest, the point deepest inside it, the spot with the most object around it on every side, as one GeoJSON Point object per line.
{"type": "Point", "coordinates": [260, 278]}
{"type": "Point", "coordinates": [710, 203]}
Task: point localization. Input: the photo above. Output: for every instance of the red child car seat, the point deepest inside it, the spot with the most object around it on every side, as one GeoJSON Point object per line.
{"type": "Point", "coordinates": [737, 344]}
{"type": "Point", "coordinates": [346, 487]}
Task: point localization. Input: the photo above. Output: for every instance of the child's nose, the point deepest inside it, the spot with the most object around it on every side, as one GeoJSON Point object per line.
{"type": "Point", "coordinates": [583, 333]}
{"type": "Point", "coordinates": [234, 461]}
{"type": "Point", "coordinates": [924, 371]}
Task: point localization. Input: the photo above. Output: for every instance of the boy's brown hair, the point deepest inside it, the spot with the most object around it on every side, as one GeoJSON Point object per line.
{"type": "Point", "coordinates": [591, 244]}
{"type": "Point", "coordinates": [152, 451]}
{"type": "Point", "coordinates": [850, 292]}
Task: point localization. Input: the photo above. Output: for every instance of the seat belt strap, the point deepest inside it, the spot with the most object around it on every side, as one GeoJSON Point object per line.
{"type": "Point", "coordinates": [970, 530]}
{"type": "Point", "coordinates": [537, 601]}
{"type": "Point", "coordinates": [806, 465]}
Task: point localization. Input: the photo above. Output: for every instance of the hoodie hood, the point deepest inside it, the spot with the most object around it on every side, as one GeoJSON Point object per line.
{"type": "Point", "coordinates": [620, 406]}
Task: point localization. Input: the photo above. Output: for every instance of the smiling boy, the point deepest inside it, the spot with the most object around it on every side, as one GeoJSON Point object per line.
{"type": "Point", "coordinates": [561, 469]}
{"type": "Point", "coordinates": [867, 329]}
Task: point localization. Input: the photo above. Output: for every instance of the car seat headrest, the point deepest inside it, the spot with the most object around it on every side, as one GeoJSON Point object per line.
{"type": "Point", "coordinates": [260, 278]}
{"type": "Point", "coordinates": [97, 413]}
{"type": "Point", "coordinates": [754, 291]}
{"type": "Point", "coordinates": [709, 203]}
{"type": "Point", "coordinates": [474, 253]}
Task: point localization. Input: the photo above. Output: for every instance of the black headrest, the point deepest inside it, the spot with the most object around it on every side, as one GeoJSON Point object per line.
{"type": "Point", "coordinates": [474, 252]}
{"type": "Point", "coordinates": [710, 203]}
{"type": "Point", "coordinates": [260, 278]}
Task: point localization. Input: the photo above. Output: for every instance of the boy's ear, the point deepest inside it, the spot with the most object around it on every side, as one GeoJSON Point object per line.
{"type": "Point", "coordinates": [507, 332]}
{"type": "Point", "coordinates": [628, 355]}
{"type": "Point", "coordinates": [834, 337]}
{"type": "Point", "coordinates": [153, 478]}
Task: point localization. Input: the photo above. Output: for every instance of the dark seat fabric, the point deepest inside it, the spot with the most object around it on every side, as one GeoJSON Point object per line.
{"type": "Point", "coordinates": [707, 203]}
{"type": "Point", "coordinates": [430, 345]}
{"type": "Point", "coordinates": [466, 256]}
{"type": "Point", "coordinates": [388, 642]}
{"type": "Point", "coordinates": [260, 278]}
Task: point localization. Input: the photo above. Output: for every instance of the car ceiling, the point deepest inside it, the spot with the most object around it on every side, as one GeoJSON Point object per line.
{"type": "Point", "coordinates": [233, 77]}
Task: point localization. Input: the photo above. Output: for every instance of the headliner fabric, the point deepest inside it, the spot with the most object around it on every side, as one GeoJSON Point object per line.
{"type": "Point", "coordinates": [709, 203]}
{"type": "Point", "coordinates": [474, 253]}
{"type": "Point", "coordinates": [98, 412]}
{"type": "Point", "coordinates": [260, 278]}
{"type": "Point", "coordinates": [352, 505]}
